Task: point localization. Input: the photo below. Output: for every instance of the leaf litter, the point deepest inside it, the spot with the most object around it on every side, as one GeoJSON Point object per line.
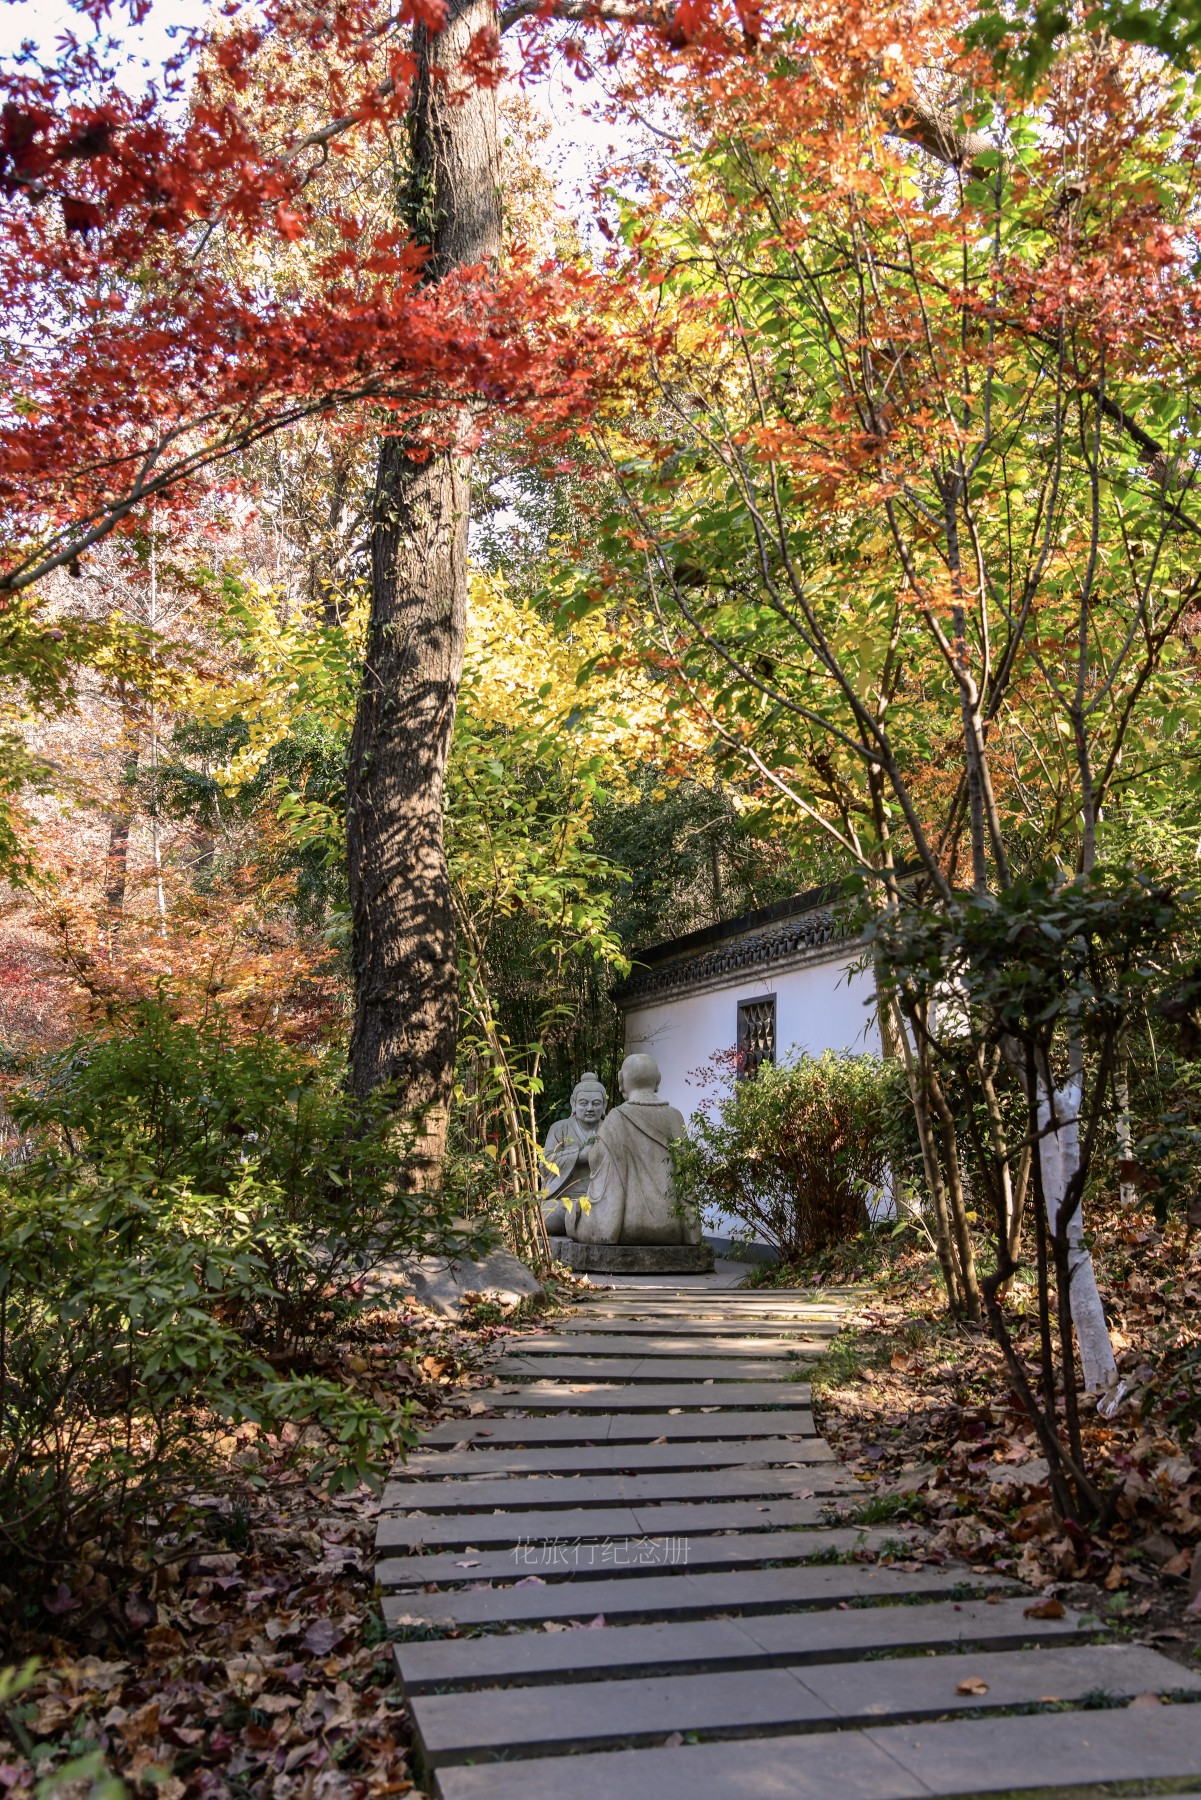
{"type": "Point", "coordinates": [920, 1409]}
{"type": "Point", "coordinates": [241, 1655]}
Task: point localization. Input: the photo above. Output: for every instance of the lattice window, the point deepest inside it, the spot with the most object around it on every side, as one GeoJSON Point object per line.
{"type": "Point", "coordinates": [756, 1034]}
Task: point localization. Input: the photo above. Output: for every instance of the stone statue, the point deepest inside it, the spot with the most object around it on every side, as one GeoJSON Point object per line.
{"type": "Point", "coordinates": [569, 1147]}
{"type": "Point", "coordinates": [630, 1191]}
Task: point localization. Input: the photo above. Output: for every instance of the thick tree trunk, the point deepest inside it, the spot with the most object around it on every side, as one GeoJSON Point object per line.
{"type": "Point", "coordinates": [405, 971]}
{"type": "Point", "coordinates": [405, 967]}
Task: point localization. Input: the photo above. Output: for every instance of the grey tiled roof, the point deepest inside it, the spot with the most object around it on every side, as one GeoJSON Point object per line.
{"type": "Point", "coordinates": [757, 940]}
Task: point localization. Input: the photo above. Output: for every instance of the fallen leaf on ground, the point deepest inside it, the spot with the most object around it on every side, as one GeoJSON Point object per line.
{"type": "Point", "coordinates": [971, 1684]}
{"type": "Point", "coordinates": [1045, 1609]}
{"type": "Point", "coordinates": [323, 1636]}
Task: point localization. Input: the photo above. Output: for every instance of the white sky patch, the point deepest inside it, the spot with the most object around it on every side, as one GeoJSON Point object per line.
{"type": "Point", "coordinates": [142, 50]}
{"type": "Point", "coordinates": [576, 150]}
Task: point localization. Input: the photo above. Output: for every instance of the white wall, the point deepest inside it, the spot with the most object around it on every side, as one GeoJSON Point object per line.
{"type": "Point", "coordinates": [819, 1007]}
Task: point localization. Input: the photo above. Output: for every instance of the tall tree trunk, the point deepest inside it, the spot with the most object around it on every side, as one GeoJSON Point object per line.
{"type": "Point", "coordinates": [116, 863]}
{"type": "Point", "coordinates": [405, 969]}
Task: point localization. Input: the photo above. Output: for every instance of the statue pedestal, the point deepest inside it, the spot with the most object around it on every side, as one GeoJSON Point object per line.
{"type": "Point", "coordinates": [634, 1259]}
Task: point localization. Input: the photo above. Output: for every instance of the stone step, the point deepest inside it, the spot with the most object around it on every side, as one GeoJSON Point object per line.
{"type": "Point", "coordinates": [630, 1546]}
{"type": "Point", "coordinates": [658, 1323]}
{"type": "Point", "coordinates": [730, 1308]}
{"type": "Point", "coordinates": [654, 1595]}
{"type": "Point", "coordinates": [626, 1458]}
{"type": "Point", "coordinates": [596, 1343]}
{"type": "Point", "coordinates": [549, 1720]}
{"type": "Point", "coordinates": [760, 1640]}
{"type": "Point", "coordinates": [639, 1369]}
{"type": "Point", "coordinates": [620, 1428]}
{"type": "Point", "coordinates": [891, 1762]}
{"type": "Point", "coordinates": [662, 1321]}
{"type": "Point", "coordinates": [654, 1325]}
{"type": "Point", "coordinates": [402, 1530]}
{"type": "Point", "coordinates": [556, 1560]}
{"type": "Point", "coordinates": [546, 1396]}
{"type": "Point", "coordinates": [522, 1492]}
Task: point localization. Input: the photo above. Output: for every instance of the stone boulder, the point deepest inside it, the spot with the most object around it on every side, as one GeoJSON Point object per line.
{"type": "Point", "coordinates": [446, 1285]}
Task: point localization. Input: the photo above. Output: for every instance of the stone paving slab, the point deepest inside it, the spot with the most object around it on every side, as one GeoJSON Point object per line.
{"type": "Point", "coordinates": [654, 1595]}
{"type": "Point", "coordinates": [542, 1720]}
{"type": "Point", "coordinates": [556, 1561]}
{"type": "Point", "coordinates": [913, 1686]}
{"type": "Point", "coordinates": [761, 1639]}
{"type": "Point", "coordinates": [653, 1325]}
{"type": "Point", "coordinates": [1059, 1749]}
{"type": "Point", "coordinates": [639, 1368]}
{"type": "Point", "coordinates": [667, 1295]}
{"type": "Point", "coordinates": [599, 1522]}
{"type": "Point", "coordinates": [677, 1344]}
{"type": "Point", "coordinates": [537, 1720]}
{"type": "Point", "coordinates": [535, 1491]}
{"type": "Point", "coordinates": [898, 1762]}
{"type": "Point", "coordinates": [547, 1459]}
{"type": "Point", "coordinates": [661, 1317]}
{"type": "Point", "coordinates": [621, 1428]}
{"type": "Point", "coordinates": [660, 1322]}
{"type": "Point", "coordinates": [546, 1396]}
{"type": "Point", "coordinates": [821, 1768]}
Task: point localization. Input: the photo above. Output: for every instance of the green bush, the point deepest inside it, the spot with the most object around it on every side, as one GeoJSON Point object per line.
{"type": "Point", "coordinates": [194, 1219]}
{"type": "Point", "coordinates": [796, 1154]}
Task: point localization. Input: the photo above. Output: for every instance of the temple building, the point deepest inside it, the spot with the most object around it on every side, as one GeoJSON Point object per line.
{"type": "Point", "coordinates": [766, 985]}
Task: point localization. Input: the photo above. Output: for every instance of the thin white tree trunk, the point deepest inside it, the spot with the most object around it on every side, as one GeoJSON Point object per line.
{"type": "Point", "coordinates": [1127, 1188]}
{"type": "Point", "coordinates": [155, 837]}
{"type": "Point", "coordinates": [1059, 1155]}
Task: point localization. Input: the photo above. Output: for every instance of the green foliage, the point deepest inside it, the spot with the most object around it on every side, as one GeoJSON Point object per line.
{"type": "Point", "coordinates": [1048, 955]}
{"type": "Point", "coordinates": [796, 1154]}
{"type": "Point", "coordinates": [301, 780]}
{"type": "Point", "coordinates": [1024, 37]}
{"type": "Point", "coordinates": [688, 857]}
{"type": "Point", "coordinates": [206, 1115]}
{"type": "Point", "coordinates": [196, 1218]}
{"type": "Point", "coordinates": [40, 660]}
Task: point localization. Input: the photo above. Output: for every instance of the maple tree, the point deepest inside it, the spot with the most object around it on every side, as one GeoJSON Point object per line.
{"type": "Point", "coordinates": [911, 489]}
{"type": "Point", "coordinates": [139, 353]}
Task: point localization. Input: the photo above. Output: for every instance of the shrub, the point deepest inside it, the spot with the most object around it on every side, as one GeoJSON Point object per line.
{"type": "Point", "coordinates": [194, 1218]}
{"type": "Point", "coordinates": [795, 1154]}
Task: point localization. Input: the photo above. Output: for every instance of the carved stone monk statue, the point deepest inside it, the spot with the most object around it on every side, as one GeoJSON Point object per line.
{"type": "Point", "coordinates": [568, 1148]}
{"type": "Point", "coordinates": [630, 1191]}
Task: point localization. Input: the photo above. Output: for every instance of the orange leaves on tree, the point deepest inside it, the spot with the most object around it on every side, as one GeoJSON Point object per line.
{"type": "Point", "coordinates": [137, 351]}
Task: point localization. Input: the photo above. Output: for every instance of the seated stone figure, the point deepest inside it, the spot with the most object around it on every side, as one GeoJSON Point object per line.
{"type": "Point", "coordinates": [568, 1148]}
{"type": "Point", "coordinates": [630, 1191]}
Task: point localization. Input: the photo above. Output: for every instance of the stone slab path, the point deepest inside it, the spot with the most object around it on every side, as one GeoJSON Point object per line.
{"type": "Point", "coordinates": [625, 1579]}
